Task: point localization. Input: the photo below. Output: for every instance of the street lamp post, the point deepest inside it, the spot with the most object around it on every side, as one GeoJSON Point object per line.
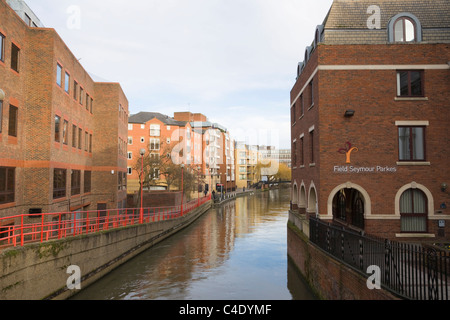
{"type": "Point", "coordinates": [198, 185]}
{"type": "Point", "coordinates": [141, 215]}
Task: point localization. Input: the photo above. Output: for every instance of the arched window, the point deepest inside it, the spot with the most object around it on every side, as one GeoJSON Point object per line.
{"type": "Point", "coordinates": [413, 211]}
{"type": "Point", "coordinates": [405, 27]}
{"type": "Point", "coordinates": [404, 30]}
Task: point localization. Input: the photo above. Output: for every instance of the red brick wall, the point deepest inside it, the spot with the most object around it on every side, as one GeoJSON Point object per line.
{"type": "Point", "coordinates": [372, 93]}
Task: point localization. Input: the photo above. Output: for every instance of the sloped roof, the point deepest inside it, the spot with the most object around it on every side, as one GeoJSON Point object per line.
{"type": "Point", "coordinates": [352, 14]}
{"type": "Point", "coordinates": [144, 117]}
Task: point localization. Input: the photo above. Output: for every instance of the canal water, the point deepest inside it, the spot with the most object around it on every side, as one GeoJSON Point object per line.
{"type": "Point", "coordinates": [236, 252]}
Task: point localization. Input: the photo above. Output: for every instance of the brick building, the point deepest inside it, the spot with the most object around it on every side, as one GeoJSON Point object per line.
{"type": "Point", "coordinates": [370, 119]}
{"type": "Point", "coordinates": [62, 135]}
{"type": "Point", "coordinates": [190, 139]}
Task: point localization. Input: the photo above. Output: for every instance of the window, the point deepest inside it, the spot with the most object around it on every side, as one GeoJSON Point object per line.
{"type": "Point", "coordinates": [293, 114]}
{"type": "Point", "coordinates": [130, 155]}
{"type": "Point", "coordinates": [59, 75]}
{"type": "Point", "coordinates": [59, 183]}
{"type": "Point", "coordinates": [15, 54]}
{"type": "Point", "coordinates": [130, 140]}
{"type": "Point", "coordinates": [413, 210]}
{"type": "Point", "coordinates": [75, 182]}
{"type": "Point", "coordinates": [130, 170]}
{"type": "Point", "coordinates": [66, 132]}
{"type": "Point", "coordinates": [311, 92]}
{"type": "Point", "coordinates": [302, 105]}
{"type": "Point", "coordinates": [74, 136]}
{"type": "Point", "coordinates": [142, 139]}
{"type": "Point", "coordinates": [155, 130]}
{"type": "Point", "coordinates": [92, 106]}
{"type": "Point", "coordinates": [154, 144]}
{"type": "Point", "coordinates": [411, 143]}
{"type": "Point", "coordinates": [90, 143]}
{"type": "Point", "coordinates": [302, 151]}
{"type": "Point", "coordinates": [13, 121]}
{"type": "Point", "coordinates": [7, 185]}
{"type": "Point", "coordinates": [86, 141]}
{"type": "Point", "coordinates": [294, 154]}
{"type": "Point", "coordinates": [80, 137]}
{"type": "Point", "coordinates": [57, 128]}
{"type": "Point", "coordinates": [75, 89]}
{"type": "Point", "coordinates": [410, 83]}
{"type": "Point", "coordinates": [311, 136]}
{"type": "Point", "coordinates": [404, 30]}
{"type": "Point", "coordinates": [2, 47]}
{"type": "Point", "coordinates": [81, 95]}
{"type": "Point", "coordinates": [87, 181]}
{"type": "Point", "coordinates": [66, 82]}
{"type": "Point", "coordinates": [130, 126]}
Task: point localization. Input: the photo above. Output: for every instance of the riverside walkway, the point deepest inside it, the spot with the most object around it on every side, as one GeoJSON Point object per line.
{"type": "Point", "coordinates": [31, 228]}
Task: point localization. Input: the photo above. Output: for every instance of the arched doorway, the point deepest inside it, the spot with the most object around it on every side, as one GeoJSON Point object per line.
{"type": "Point", "coordinates": [348, 207]}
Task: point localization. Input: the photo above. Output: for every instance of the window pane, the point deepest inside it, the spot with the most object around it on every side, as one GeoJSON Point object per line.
{"type": "Point", "coordinates": [2, 46]}
{"type": "Point", "coordinates": [404, 84]}
{"type": "Point", "coordinates": [409, 30]}
{"type": "Point", "coordinates": [404, 149]}
{"type": "Point", "coordinates": [57, 128]}
{"type": "Point", "coordinates": [15, 57]}
{"type": "Point", "coordinates": [418, 144]}
{"type": "Point", "coordinates": [398, 30]}
{"type": "Point", "coordinates": [416, 83]}
{"type": "Point", "coordinates": [58, 75]}
{"type": "Point", "coordinates": [67, 82]}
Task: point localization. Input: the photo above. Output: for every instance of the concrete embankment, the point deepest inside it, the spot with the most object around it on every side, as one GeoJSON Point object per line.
{"type": "Point", "coordinates": [50, 270]}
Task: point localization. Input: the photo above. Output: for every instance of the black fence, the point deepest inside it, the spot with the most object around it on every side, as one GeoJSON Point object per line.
{"type": "Point", "coordinates": [411, 271]}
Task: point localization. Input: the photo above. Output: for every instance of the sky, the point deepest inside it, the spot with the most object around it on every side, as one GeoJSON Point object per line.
{"type": "Point", "coordinates": [235, 61]}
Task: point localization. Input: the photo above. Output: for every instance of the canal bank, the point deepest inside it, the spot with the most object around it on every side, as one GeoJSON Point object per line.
{"type": "Point", "coordinates": [50, 270]}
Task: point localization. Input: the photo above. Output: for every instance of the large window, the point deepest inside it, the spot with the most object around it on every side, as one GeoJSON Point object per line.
{"type": "Point", "coordinates": [59, 183]}
{"type": "Point", "coordinates": [66, 132]}
{"type": "Point", "coordinates": [7, 185]}
{"type": "Point", "coordinates": [15, 55]}
{"type": "Point", "coordinates": [410, 83]}
{"type": "Point", "coordinates": [13, 121]}
{"type": "Point", "coordinates": [413, 210]}
{"type": "Point", "coordinates": [411, 143]}
{"type": "Point", "coordinates": [404, 30]}
{"type": "Point", "coordinates": [155, 130]}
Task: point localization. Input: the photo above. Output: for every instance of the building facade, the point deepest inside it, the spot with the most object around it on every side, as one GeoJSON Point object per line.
{"type": "Point", "coordinates": [370, 120]}
{"type": "Point", "coordinates": [62, 135]}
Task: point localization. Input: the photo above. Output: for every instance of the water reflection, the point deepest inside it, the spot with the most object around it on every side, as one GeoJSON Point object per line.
{"type": "Point", "coordinates": [236, 252]}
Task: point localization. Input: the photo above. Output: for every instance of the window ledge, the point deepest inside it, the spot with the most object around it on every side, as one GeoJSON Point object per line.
{"type": "Point", "coordinates": [312, 164]}
{"type": "Point", "coordinates": [411, 98]}
{"type": "Point", "coordinates": [415, 235]}
{"type": "Point", "coordinates": [414, 163]}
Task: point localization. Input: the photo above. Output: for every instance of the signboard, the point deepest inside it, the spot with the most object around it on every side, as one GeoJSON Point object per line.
{"type": "Point", "coordinates": [348, 168]}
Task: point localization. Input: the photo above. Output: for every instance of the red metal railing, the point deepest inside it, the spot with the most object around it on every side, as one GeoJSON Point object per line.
{"type": "Point", "coordinates": [21, 229]}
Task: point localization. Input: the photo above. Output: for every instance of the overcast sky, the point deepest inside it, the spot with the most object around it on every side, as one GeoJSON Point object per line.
{"type": "Point", "coordinates": [233, 60]}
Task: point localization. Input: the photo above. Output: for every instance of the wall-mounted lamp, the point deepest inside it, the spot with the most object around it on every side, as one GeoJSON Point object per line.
{"type": "Point", "coordinates": [349, 113]}
{"type": "Point", "coordinates": [443, 187]}
{"type": "Point", "coordinates": [2, 95]}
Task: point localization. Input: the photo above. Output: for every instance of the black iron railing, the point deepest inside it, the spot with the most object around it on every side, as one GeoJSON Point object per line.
{"type": "Point", "coordinates": [411, 271]}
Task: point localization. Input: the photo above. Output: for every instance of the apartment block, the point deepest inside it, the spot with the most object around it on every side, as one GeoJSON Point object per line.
{"type": "Point", "coordinates": [370, 121]}
{"type": "Point", "coordinates": [62, 135]}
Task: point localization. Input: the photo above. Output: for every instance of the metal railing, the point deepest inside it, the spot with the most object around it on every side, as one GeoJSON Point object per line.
{"type": "Point", "coordinates": [411, 271]}
{"type": "Point", "coordinates": [27, 228]}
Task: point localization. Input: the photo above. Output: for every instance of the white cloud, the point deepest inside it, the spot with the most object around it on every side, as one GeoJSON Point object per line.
{"type": "Point", "coordinates": [212, 54]}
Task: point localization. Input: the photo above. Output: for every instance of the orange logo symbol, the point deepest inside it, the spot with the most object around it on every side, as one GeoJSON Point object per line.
{"type": "Point", "coordinates": [348, 151]}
